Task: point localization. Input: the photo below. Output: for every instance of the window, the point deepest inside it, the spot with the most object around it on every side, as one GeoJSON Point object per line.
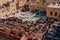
{"type": "Point", "coordinates": [12, 0]}
{"type": "Point", "coordinates": [2, 11]}
{"type": "Point", "coordinates": [59, 15]}
{"type": "Point", "coordinates": [51, 13]}
{"type": "Point", "coordinates": [27, 0]}
{"type": "Point", "coordinates": [6, 15]}
{"type": "Point", "coordinates": [55, 13]}
{"type": "Point", "coordinates": [6, 5]}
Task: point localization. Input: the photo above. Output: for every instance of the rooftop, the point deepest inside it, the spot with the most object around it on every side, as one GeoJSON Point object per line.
{"type": "Point", "coordinates": [54, 5]}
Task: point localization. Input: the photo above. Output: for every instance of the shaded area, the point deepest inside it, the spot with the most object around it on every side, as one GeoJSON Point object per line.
{"type": "Point", "coordinates": [39, 13]}
{"type": "Point", "coordinates": [25, 8]}
{"type": "Point", "coordinates": [54, 34]}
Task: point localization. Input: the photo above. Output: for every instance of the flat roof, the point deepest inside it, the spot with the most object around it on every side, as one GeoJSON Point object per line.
{"type": "Point", "coordinates": [54, 5]}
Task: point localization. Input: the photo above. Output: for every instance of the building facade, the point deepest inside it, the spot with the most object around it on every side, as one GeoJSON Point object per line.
{"type": "Point", "coordinates": [53, 11]}
{"type": "Point", "coordinates": [39, 4]}
{"type": "Point", "coordinates": [8, 7]}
